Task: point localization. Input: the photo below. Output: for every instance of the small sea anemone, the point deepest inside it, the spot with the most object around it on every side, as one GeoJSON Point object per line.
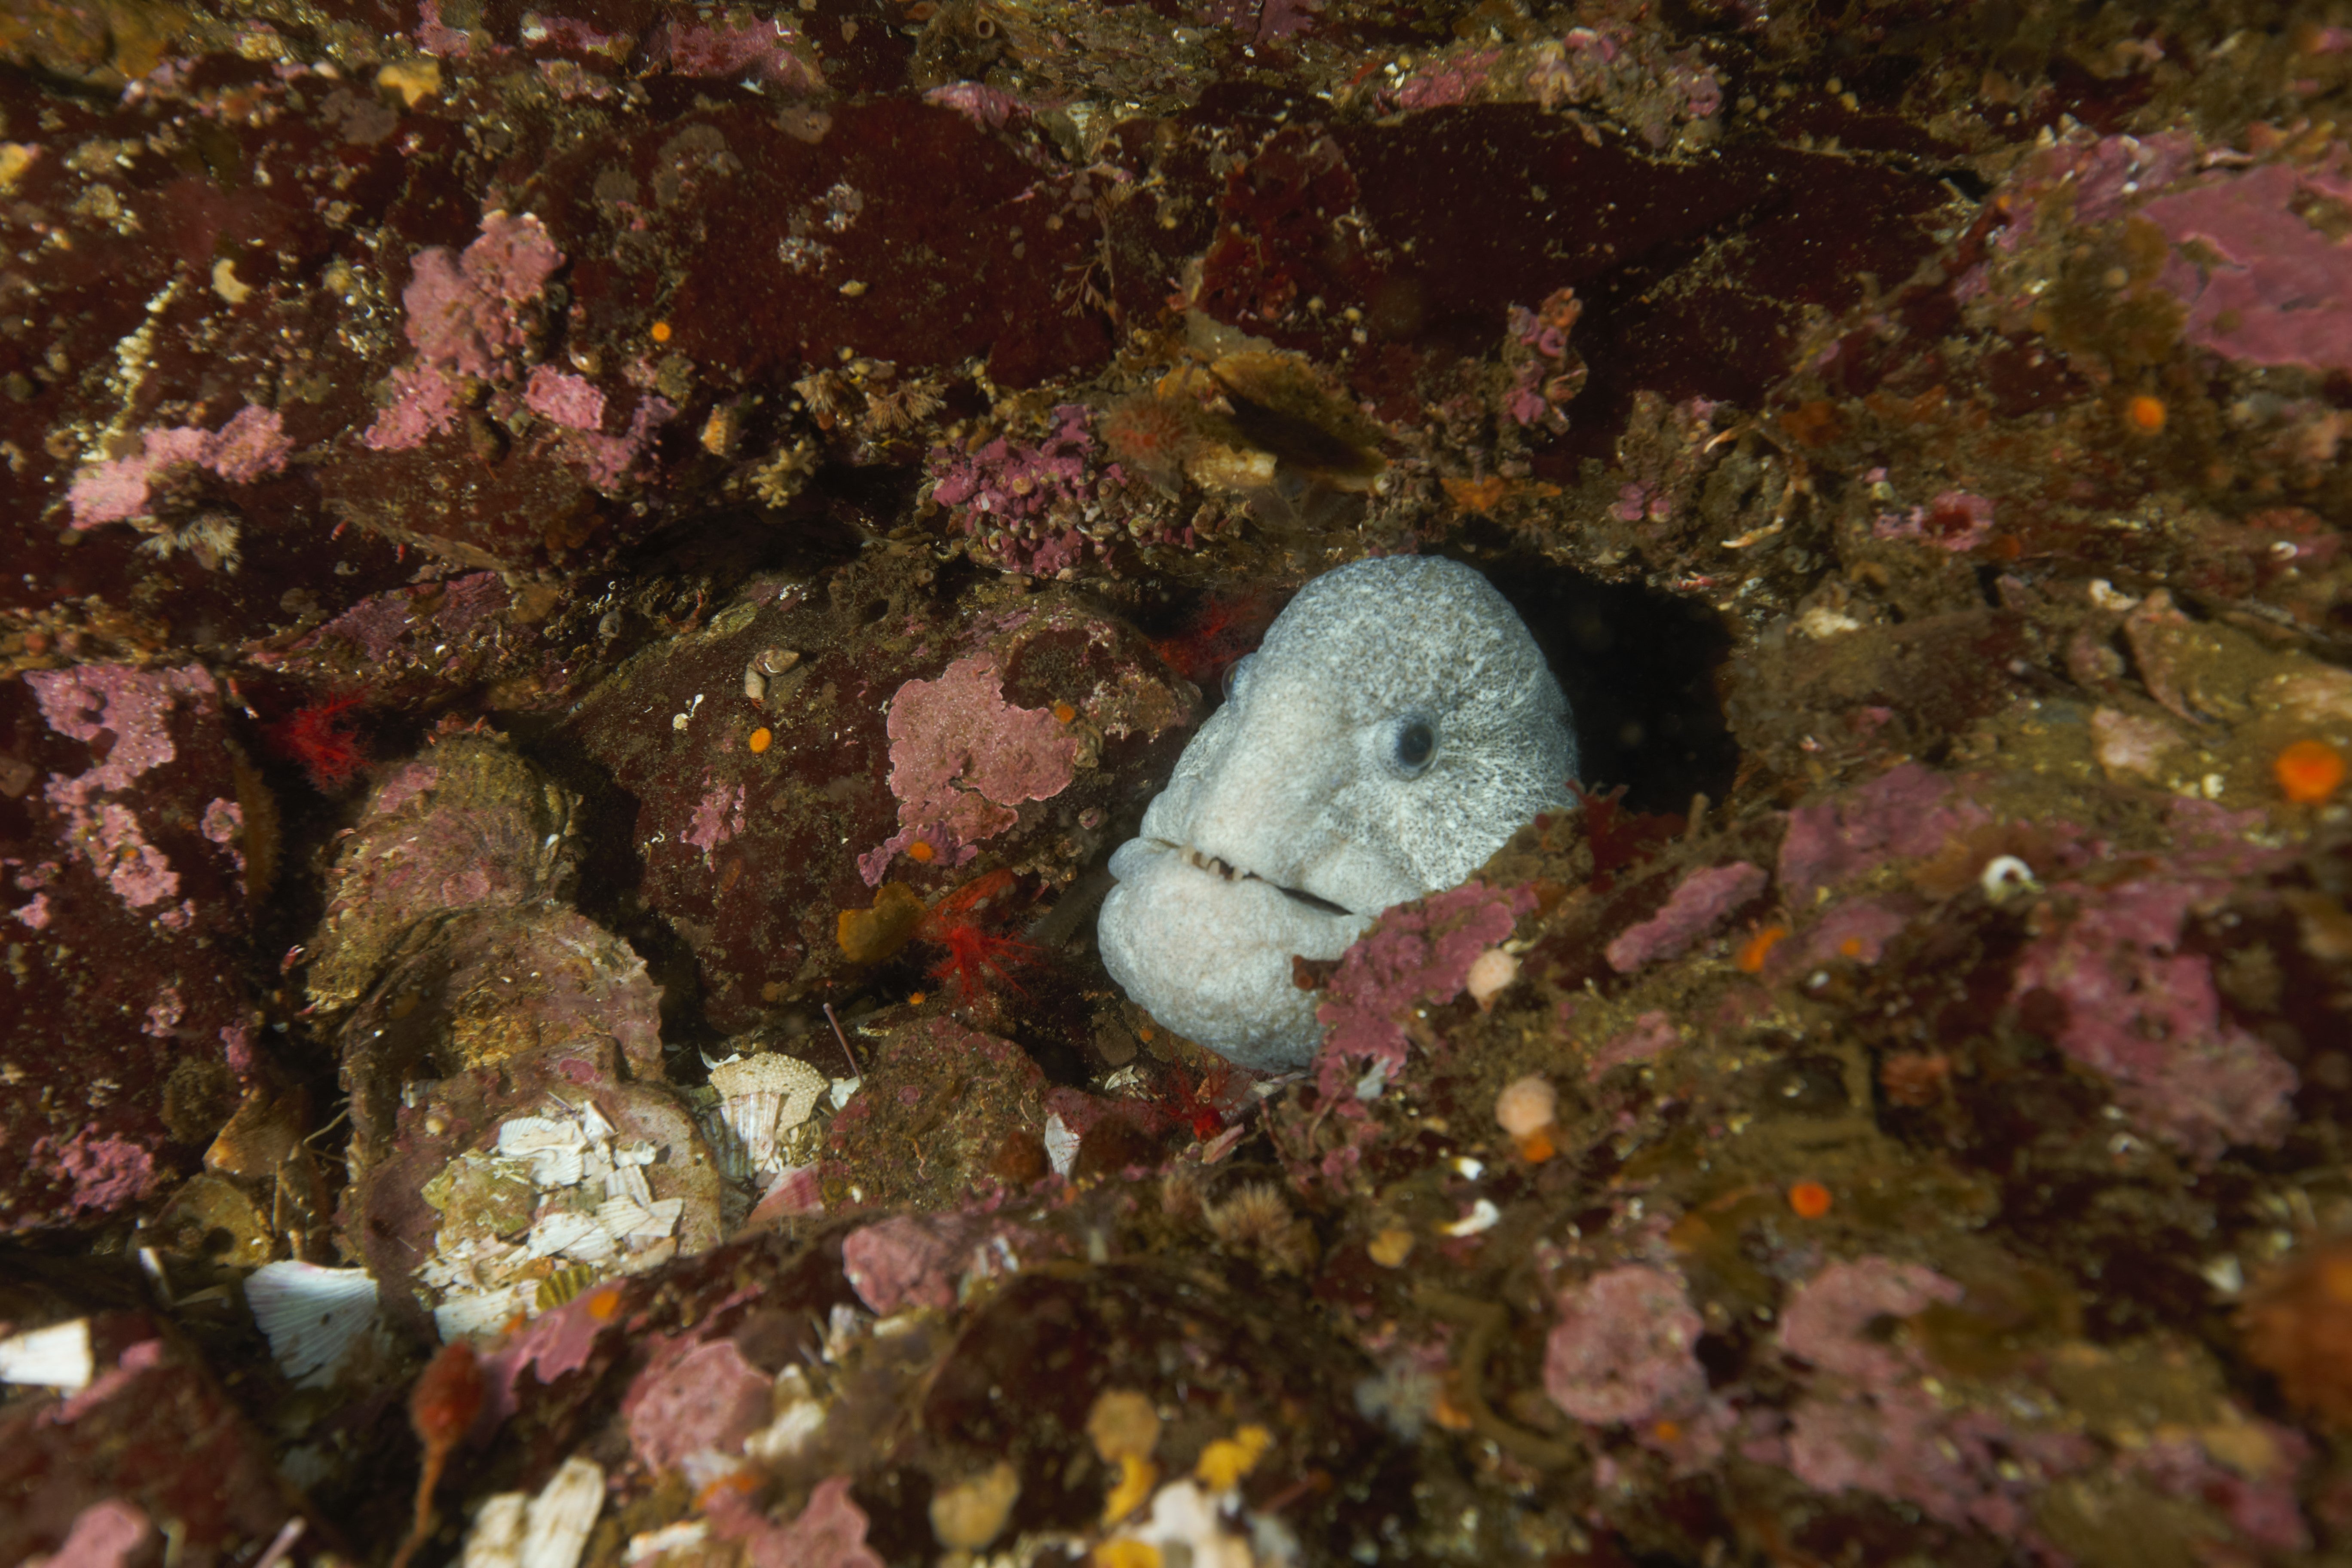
{"type": "Point", "coordinates": [1526, 1109]}
{"type": "Point", "coordinates": [1257, 1218]}
{"type": "Point", "coordinates": [1491, 972]}
{"type": "Point", "coordinates": [323, 737]}
{"type": "Point", "coordinates": [1153, 436]}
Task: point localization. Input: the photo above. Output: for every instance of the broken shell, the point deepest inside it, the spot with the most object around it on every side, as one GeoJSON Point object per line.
{"type": "Point", "coordinates": [556, 1149]}
{"type": "Point", "coordinates": [760, 1098]}
{"type": "Point", "coordinates": [310, 1314]}
{"type": "Point", "coordinates": [560, 1200]}
{"type": "Point", "coordinates": [548, 1530]}
{"type": "Point", "coordinates": [56, 1357]}
{"type": "Point", "coordinates": [475, 1313]}
{"type": "Point", "coordinates": [776, 660]}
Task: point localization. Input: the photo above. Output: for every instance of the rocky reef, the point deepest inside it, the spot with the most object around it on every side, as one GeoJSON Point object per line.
{"type": "Point", "coordinates": [589, 591]}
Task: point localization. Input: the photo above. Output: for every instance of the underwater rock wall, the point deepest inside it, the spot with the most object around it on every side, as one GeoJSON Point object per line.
{"type": "Point", "coordinates": [588, 591]}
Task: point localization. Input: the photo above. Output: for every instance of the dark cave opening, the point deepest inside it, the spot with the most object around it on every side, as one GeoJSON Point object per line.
{"type": "Point", "coordinates": [1639, 667]}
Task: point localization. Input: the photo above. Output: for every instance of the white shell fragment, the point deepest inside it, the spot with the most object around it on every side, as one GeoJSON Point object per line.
{"type": "Point", "coordinates": [593, 1214]}
{"type": "Point", "coordinates": [56, 1357]}
{"type": "Point", "coordinates": [548, 1530]}
{"type": "Point", "coordinates": [556, 1150]}
{"type": "Point", "coordinates": [495, 1539]}
{"type": "Point", "coordinates": [572, 1232]}
{"type": "Point", "coordinates": [653, 1545]}
{"type": "Point", "coordinates": [1481, 1215]}
{"type": "Point", "coordinates": [477, 1312]}
{"type": "Point", "coordinates": [1061, 1145]}
{"type": "Point", "coordinates": [761, 1099]}
{"type": "Point", "coordinates": [310, 1314]}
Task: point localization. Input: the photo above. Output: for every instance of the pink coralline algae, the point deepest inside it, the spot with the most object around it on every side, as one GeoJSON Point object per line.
{"type": "Point", "coordinates": [1873, 1421]}
{"type": "Point", "coordinates": [224, 824]}
{"type": "Point", "coordinates": [1956, 520]}
{"type": "Point", "coordinates": [1906, 813]}
{"type": "Point", "coordinates": [462, 309]}
{"type": "Point", "coordinates": [555, 1345]}
{"type": "Point", "coordinates": [465, 317]}
{"type": "Point", "coordinates": [1653, 1034]}
{"type": "Point", "coordinates": [704, 1401]}
{"type": "Point", "coordinates": [736, 50]}
{"type": "Point", "coordinates": [1416, 954]}
{"type": "Point", "coordinates": [134, 706]}
{"type": "Point", "coordinates": [106, 1172]}
{"type": "Point", "coordinates": [575, 405]}
{"type": "Point", "coordinates": [252, 446]}
{"type": "Point", "coordinates": [109, 1534]}
{"type": "Point", "coordinates": [2081, 179]}
{"type": "Point", "coordinates": [610, 459]}
{"type": "Point", "coordinates": [961, 758]}
{"type": "Point", "coordinates": [1697, 905]}
{"type": "Point", "coordinates": [2146, 1015]}
{"type": "Point", "coordinates": [1622, 1351]}
{"type": "Point", "coordinates": [718, 817]}
{"type": "Point", "coordinates": [1857, 931]}
{"type": "Point", "coordinates": [2271, 286]}
{"type": "Point", "coordinates": [829, 1534]}
{"type": "Point", "coordinates": [909, 1260]}
{"type": "Point", "coordinates": [2257, 1498]}
{"type": "Point", "coordinates": [988, 107]}
{"type": "Point", "coordinates": [1025, 504]}
{"type": "Point", "coordinates": [571, 401]}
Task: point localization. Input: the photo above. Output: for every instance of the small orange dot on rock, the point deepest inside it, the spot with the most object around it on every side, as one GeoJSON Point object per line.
{"type": "Point", "coordinates": [761, 739]}
{"type": "Point", "coordinates": [2146, 413]}
{"type": "Point", "coordinates": [1758, 948]}
{"type": "Point", "coordinates": [1810, 1199]}
{"type": "Point", "coordinates": [660, 333]}
{"type": "Point", "coordinates": [1063, 712]}
{"type": "Point", "coordinates": [2309, 771]}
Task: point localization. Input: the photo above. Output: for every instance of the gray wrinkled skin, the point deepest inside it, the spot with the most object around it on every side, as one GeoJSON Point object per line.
{"type": "Point", "coordinates": [1313, 780]}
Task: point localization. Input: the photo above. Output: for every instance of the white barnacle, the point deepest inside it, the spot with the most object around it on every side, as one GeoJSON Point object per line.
{"type": "Point", "coordinates": [761, 1099]}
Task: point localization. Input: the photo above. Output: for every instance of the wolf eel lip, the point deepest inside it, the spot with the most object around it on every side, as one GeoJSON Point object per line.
{"type": "Point", "coordinates": [1218, 869]}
